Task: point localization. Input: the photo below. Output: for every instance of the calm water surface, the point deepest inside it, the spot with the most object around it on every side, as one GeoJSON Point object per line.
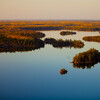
{"type": "Point", "coordinates": [34, 75]}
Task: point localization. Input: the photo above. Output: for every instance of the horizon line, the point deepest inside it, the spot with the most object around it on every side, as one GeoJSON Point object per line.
{"type": "Point", "coordinates": [49, 19]}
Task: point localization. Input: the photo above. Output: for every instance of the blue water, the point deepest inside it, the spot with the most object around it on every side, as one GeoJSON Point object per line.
{"type": "Point", "coordinates": [35, 75]}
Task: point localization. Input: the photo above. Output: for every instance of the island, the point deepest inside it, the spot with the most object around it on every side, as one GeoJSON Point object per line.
{"type": "Point", "coordinates": [87, 57]}
{"type": "Point", "coordinates": [63, 71]}
{"type": "Point", "coordinates": [63, 33]}
{"type": "Point", "coordinates": [64, 43]}
{"type": "Point", "coordinates": [92, 38]}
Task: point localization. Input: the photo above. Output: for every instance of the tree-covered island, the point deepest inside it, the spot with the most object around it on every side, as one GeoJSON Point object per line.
{"type": "Point", "coordinates": [63, 33]}
{"type": "Point", "coordinates": [64, 43]}
{"type": "Point", "coordinates": [90, 56]}
{"type": "Point", "coordinates": [92, 38]}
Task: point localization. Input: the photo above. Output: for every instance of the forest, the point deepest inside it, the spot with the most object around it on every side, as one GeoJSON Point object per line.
{"type": "Point", "coordinates": [66, 25]}
{"type": "Point", "coordinates": [92, 38]}
{"type": "Point", "coordinates": [90, 56]}
{"type": "Point", "coordinates": [63, 33]}
{"type": "Point", "coordinates": [18, 33]}
{"type": "Point", "coordinates": [14, 44]}
{"type": "Point", "coordinates": [32, 25]}
{"type": "Point", "coordinates": [9, 44]}
{"type": "Point", "coordinates": [26, 35]}
{"type": "Point", "coordinates": [64, 43]}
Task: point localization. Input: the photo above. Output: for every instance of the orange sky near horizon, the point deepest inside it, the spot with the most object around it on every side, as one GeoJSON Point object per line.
{"type": "Point", "coordinates": [50, 9]}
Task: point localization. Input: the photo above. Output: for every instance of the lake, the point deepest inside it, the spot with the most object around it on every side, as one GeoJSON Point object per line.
{"type": "Point", "coordinates": [35, 75]}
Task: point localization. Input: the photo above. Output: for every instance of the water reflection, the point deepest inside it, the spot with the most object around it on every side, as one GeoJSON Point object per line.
{"type": "Point", "coordinates": [84, 65]}
{"type": "Point", "coordinates": [20, 49]}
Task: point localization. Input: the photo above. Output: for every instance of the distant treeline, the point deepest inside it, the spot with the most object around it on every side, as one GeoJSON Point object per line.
{"type": "Point", "coordinates": [60, 28]}
{"type": "Point", "coordinates": [51, 25]}
{"type": "Point", "coordinates": [83, 29]}
{"type": "Point", "coordinates": [64, 43]}
{"type": "Point", "coordinates": [42, 28]}
{"type": "Point", "coordinates": [92, 38]}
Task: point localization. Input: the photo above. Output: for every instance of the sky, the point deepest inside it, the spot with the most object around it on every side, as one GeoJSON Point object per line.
{"type": "Point", "coordinates": [49, 9]}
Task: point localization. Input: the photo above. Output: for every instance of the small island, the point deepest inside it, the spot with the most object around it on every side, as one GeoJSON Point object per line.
{"type": "Point", "coordinates": [64, 43]}
{"type": "Point", "coordinates": [63, 71]}
{"type": "Point", "coordinates": [92, 38]}
{"type": "Point", "coordinates": [90, 56]}
{"type": "Point", "coordinates": [63, 33]}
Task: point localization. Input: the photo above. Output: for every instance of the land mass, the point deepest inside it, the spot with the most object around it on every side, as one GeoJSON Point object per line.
{"type": "Point", "coordinates": [92, 56]}
{"type": "Point", "coordinates": [63, 71]}
{"type": "Point", "coordinates": [64, 43]}
{"type": "Point", "coordinates": [13, 44]}
{"type": "Point", "coordinates": [63, 33]}
{"type": "Point", "coordinates": [51, 25]}
{"type": "Point", "coordinates": [92, 38]}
